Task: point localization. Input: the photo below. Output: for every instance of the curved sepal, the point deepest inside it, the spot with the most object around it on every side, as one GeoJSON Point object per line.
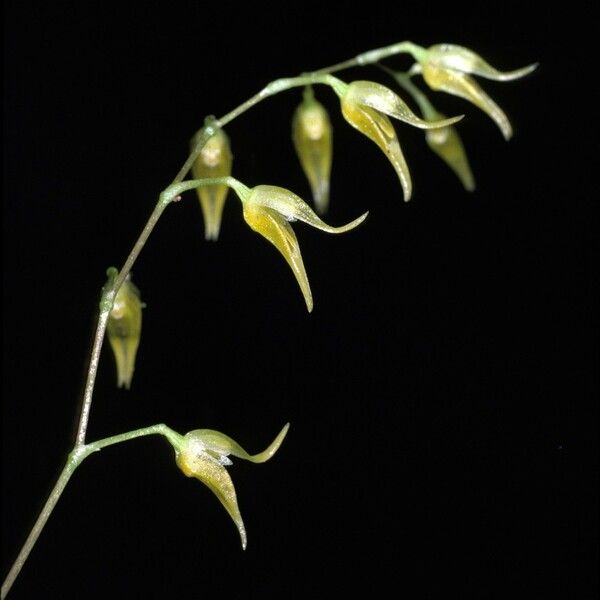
{"type": "Point", "coordinates": [271, 225]}
{"type": "Point", "coordinates": [464, 86]}
{"type": "Point", "coordinates": [459, 58]}
{"type": "Point", "coordinates": [379, 128]}
{"type": "Point", "coordinates": [293, 208]}
{"type": "Point", "coordinates": [382, 99]}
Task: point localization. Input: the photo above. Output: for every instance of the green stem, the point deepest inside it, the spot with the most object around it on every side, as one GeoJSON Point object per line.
{"type": "Point", "coordinates": [75, 458]}
{"type": "Point", "coordinates": [277, 86]}
{"type": "Point", "coordinates": [373, 56]}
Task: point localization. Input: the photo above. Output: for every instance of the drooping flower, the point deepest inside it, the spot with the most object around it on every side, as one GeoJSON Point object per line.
{"type": "Point", "coordinates": [203, 454]}
{"type": "Point", "coordinates": [269, 209]}
{"type": "Point", "coordinates": [448, 68]}
{"type": "Point", "coordinates": [366, 105]}
{"type": "Point", "coordinates": [124, 329]}
{"type": "Point", "coordinates": [313, 140]}
{"type": "Point", "coordinates": [214, 161]}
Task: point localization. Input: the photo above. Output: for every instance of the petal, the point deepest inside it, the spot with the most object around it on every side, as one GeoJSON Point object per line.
{"type": "Point", "coordinates": [382, 99]}
{"type": "Point", "coordinates": [293, 208]}
{"type": "Point", "coordinates": [124, 329]}
{"type": "Point", "coordinates": [464, 86]}
{"type": "Point", "coordinates": [379, 128]}
{"type": "Point", "coordinates": [270, 224]}
{"type": "Point", "coordinates": [214, 476]}
{"type": "Point", "coordinates": [222, 444]}
{"type": "Point", "coordinates": [450, 56]}
{"type": "Point", "coordinates": [213, 161]}
{"type": "Point", "coordinates": [446, 143]}
{"type": "Point", "coordinates": [313, 140]}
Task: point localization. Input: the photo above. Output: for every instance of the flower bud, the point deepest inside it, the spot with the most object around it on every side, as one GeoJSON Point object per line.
{"type": "Point", "coordinates": [312, 136]}
{"type": "Point", "coordinates": [214, 160]}
{"type": "Point", "coordinates": [124, 329]}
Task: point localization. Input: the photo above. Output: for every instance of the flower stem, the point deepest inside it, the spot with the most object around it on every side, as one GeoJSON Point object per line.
{"type": "Point", "coordinates": [75, 458]}
{"type": "Point", "coordinates": [373, 56]}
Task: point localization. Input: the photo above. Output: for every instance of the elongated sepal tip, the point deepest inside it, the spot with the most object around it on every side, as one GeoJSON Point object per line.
{"type": "Point", "coordinates": [464, 60]}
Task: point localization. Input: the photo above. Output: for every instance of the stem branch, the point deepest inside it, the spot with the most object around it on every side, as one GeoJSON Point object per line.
{"type": "Point", "coordinates": [76, 457]}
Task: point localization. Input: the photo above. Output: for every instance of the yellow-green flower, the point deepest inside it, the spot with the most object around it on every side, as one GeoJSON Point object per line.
{"type": "Point", "coordinates": [214, 161]}
{"type": "Point", "coordinates": [204, 453]}
{"type": "Point", "coordinates": [447, 68]}
{"type": "Point", "coordinates": [124, 329]}
{"type": "Point", "coordinates": [313, 139]}
{"type": "Point", "coordinates": [269, 209]}
{"type": "Point", "coordinates": [366, 105]}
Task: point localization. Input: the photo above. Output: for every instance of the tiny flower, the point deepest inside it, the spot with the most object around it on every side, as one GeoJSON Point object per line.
{"type": "Point", "coordinates": [124, 329]}
{"type": "Point", "coordinates": [213, 161]}
{"type": "Point", "coordinates": [312, 135]}
{"type": "Point", "coordinates": [203, 454]}
{"type": "Point", "coordinates": [365, 105]}
{"type": "Point", "coordinates": [269, 209]}
{"type": "Point", "coordinates": [447, 68]}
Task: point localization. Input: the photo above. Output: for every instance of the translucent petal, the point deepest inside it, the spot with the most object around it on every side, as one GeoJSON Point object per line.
{"type": "Point", "coordinates": [379, 128]}
{"type": "Point", "coordinates": [293, 208]}
{"type": "Point", "coordinates": [270, 224]}
{"type": "Point", "coordinates": [213, 161]}
{"type": "Point", "coordinates": [195, 463]}
{"type": "Point", "coordinates": [450, 56]}
{"type": "Point", "coordinates": [464, 86]}
{"type": "Point", "coordinates": [382, 99]}
{"type": "Point", "coordinates": [222, 444]}
{"type": "Point", "coordinates": [446, 143]}
{"type": "Point", "coordinates": [124, 329]}
{"type": "Point", "coordinates": [313, 140]}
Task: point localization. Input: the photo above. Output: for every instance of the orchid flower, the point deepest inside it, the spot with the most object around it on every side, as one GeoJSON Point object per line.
{"type": "Point", "coordinates": [448, 68]}
{"type": "Point", "coordinates": [204, 454]}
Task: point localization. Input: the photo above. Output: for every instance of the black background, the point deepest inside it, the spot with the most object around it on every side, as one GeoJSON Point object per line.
{"type": "Point", "coordinates": [442, 395]}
